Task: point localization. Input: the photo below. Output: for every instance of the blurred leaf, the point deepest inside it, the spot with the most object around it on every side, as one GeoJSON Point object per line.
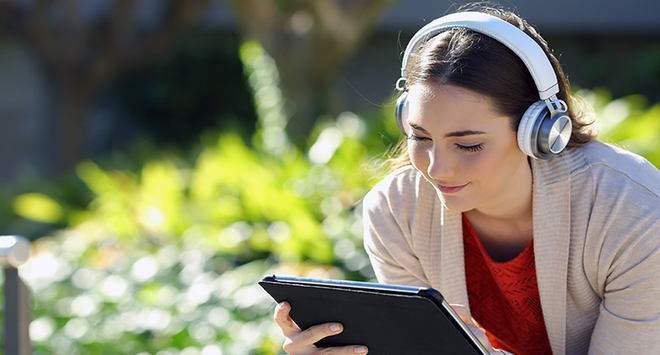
{"type": "Point", "coordinates": [627, 122]}
{"type": "Point", "coordinates": [38, 207]}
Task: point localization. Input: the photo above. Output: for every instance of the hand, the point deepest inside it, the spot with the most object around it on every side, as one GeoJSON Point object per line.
{"type": "Point", "coordinates": [301, 342]}
{"type": "Point", "coordinates": [478, 332]}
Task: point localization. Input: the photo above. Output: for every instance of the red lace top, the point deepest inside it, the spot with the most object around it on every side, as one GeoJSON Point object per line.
{"type": "Point", "coordinates": [504, 297]}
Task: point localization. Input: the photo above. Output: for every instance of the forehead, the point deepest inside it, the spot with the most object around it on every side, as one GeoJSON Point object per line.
{"type": "Point", "coordinates": [423, 94]}
{"type": "Point", "coordinates": [449, 104]}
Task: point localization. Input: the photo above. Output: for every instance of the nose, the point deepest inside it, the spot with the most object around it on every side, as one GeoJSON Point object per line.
{"type": "Point", "coordinates": [441, 166]}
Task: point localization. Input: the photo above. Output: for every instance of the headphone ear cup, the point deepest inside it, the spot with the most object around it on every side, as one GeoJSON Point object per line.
{"type": "Point", "coordinates": [401, 111]}
{"type": "Point", "coordinates": [555, 133]}
{"type": "Point", "coordinates": [527, 131]}
{"type": "Point", "coordinates": [541, 135]}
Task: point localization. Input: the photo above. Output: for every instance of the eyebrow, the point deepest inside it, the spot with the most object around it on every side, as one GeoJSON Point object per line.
{"type": "Point", "coordinates": [467, 132]}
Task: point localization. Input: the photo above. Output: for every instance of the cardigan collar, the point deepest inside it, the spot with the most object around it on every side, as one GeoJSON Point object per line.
{"type": "Point", "coordinates": [552, 229]}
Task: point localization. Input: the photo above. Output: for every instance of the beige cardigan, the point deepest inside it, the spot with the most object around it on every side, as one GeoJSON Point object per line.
{"type": "Point", "coordinates": [596, 245]}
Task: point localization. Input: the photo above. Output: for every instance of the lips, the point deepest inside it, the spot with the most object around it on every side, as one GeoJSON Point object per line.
{"type": "Point", "coordinates": [447, 189]}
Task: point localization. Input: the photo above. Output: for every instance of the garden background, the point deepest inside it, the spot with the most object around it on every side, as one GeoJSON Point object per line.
{"type": "Point", "coordinates": [162, 156]}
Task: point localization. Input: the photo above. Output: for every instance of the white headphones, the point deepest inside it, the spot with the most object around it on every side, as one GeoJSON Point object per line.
{"type": "Point", "coordinates": [545, 128]}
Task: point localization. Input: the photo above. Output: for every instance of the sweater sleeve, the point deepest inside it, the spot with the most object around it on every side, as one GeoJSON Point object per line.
{"type": "Point", "coordinates": [629, 318]}
{"type": "Point", "coordinates": [623, 251]}
{"type": "Point", "coordinates": [388, 218]}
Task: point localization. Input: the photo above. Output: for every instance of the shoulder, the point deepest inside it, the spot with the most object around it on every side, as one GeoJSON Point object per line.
{"type": "Point", "coordinates": [397, 219]}
{"type": "Point", "coordinates": [398, 184]}
{"type": "Point", "coordinates": [613, 194]}
{"type": "Point", "coordinates": [611, 166]}
{"type": "Point", "coordinates": [404, 191]}
{"type": "Point", "coordinates": [621, 191]}
{"type": "Point", "coordinates": [600, 166]}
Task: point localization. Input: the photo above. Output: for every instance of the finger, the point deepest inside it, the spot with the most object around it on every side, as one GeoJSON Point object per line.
{"type": "Point", "coordinates": [317, 332]}
{"type": "Point", "coordinates": [481, 336]}
{"type": "Point", "coordinates": [462, 312]}
{"type": "Point", "coordinates": [343, 350]}
{"type": "Point", "coordinates": [284, 321]}
{"type": "Point", "coordinates": [303, 342]}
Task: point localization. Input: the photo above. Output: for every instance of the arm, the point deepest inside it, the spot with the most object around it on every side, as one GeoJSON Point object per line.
{"type": "Point", "coordinates": [629, 318]}
{"type": "Point", "coordinates": [388, 217]}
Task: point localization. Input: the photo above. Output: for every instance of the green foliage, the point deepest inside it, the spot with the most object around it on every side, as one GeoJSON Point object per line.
{"type": "Point", "coordinates": [168, 257]}
{"type": "Point", "coordinates": [38, 207]}
{"type": "Point", "coordinates": [627, 122]}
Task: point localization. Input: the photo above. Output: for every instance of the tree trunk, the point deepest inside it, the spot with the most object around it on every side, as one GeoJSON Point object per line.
{"type": "Point", "coordinates": [70, 125]}
{"type": "Point", "coordinates": [310, 41]}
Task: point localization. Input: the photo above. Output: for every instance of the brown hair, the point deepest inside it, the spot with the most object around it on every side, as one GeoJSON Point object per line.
{"type": "Point", "coordinates": [474, 61]}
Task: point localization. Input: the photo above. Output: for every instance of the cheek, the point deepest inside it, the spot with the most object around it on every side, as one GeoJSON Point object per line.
{"type": "Point", "coordinates": [480, 166]}
{"type": "Point", "coordinates": [496, 164]}
{"type": "Point", "coordinates": [418, 156]}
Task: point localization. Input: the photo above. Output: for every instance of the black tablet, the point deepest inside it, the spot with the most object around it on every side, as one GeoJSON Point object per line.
{"type": "Point", "coordinates": [388, 319]}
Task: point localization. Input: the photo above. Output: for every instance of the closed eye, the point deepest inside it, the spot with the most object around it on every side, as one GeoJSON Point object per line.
{"type": "Point", "coordinates": [413, 137]}
{"type": "Point", "coordinates": [471, 148]}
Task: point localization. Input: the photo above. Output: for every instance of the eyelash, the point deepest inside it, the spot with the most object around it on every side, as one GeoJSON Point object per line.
{"type": "Point", "coordinates": [416, 138]}
{"type": "Point", "coordinates": [470, 149]}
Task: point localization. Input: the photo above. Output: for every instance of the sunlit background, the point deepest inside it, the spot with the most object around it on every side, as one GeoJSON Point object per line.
{"type": "Point", "coordinates": [162, 156]}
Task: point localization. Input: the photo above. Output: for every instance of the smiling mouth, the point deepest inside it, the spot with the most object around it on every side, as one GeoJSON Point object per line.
{"type": "Point", "coordinates": [451, 189]}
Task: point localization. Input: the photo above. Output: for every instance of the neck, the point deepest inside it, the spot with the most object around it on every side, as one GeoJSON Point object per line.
{"type": "Point", "coordinates": [506, 227]}
{"type": "Point", "coordinates": [515, 201]}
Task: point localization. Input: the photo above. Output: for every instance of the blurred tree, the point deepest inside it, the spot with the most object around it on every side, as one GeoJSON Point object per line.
{"type": "Point", "coordinates": [195, 85]}
{"type": "Point", "coordinates": [83, 45]}
{"type": "Point", "coordinates": [309, 41]}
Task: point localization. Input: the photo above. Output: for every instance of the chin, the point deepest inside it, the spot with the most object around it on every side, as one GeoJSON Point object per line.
{"type": "Point", "coordinates": [455, 204]}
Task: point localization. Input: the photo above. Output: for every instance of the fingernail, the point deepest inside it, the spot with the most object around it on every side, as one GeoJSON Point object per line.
{"type": "Point", "coordinates": [334, 327]}
{"type": "Point", "coordinates": [282, 304]}
{"type": "Point", "coordinates": [360, 349]}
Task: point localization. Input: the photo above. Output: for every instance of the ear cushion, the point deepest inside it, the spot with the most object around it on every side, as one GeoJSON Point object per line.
{"type": "Point", "coordinates": [528, 128]}
{"type": "Point", "coordinates": [541, 135]}
{"type": "Point", "coordinates": [401, 111]}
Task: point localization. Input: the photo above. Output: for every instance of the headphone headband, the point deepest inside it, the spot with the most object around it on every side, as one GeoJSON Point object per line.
{"type": "Point", "coordinates": [515, 39]}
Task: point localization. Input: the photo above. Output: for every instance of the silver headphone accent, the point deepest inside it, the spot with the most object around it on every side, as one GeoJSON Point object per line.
{"type": "Point", "coordinates": [545, 128]}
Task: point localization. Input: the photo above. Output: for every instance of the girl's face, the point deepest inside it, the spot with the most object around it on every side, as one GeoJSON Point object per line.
{"type": "Point", "coordinates": [465, 149]}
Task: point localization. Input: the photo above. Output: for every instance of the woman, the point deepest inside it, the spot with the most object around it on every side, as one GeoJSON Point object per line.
{"type": "Point", "coordinates": [543, 251]}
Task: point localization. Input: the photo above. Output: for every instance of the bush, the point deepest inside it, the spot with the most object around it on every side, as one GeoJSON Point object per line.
{"type": "Point", "coordinates": [168, 257]}
{"type": "Point", "coordinates": [628, 122]}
